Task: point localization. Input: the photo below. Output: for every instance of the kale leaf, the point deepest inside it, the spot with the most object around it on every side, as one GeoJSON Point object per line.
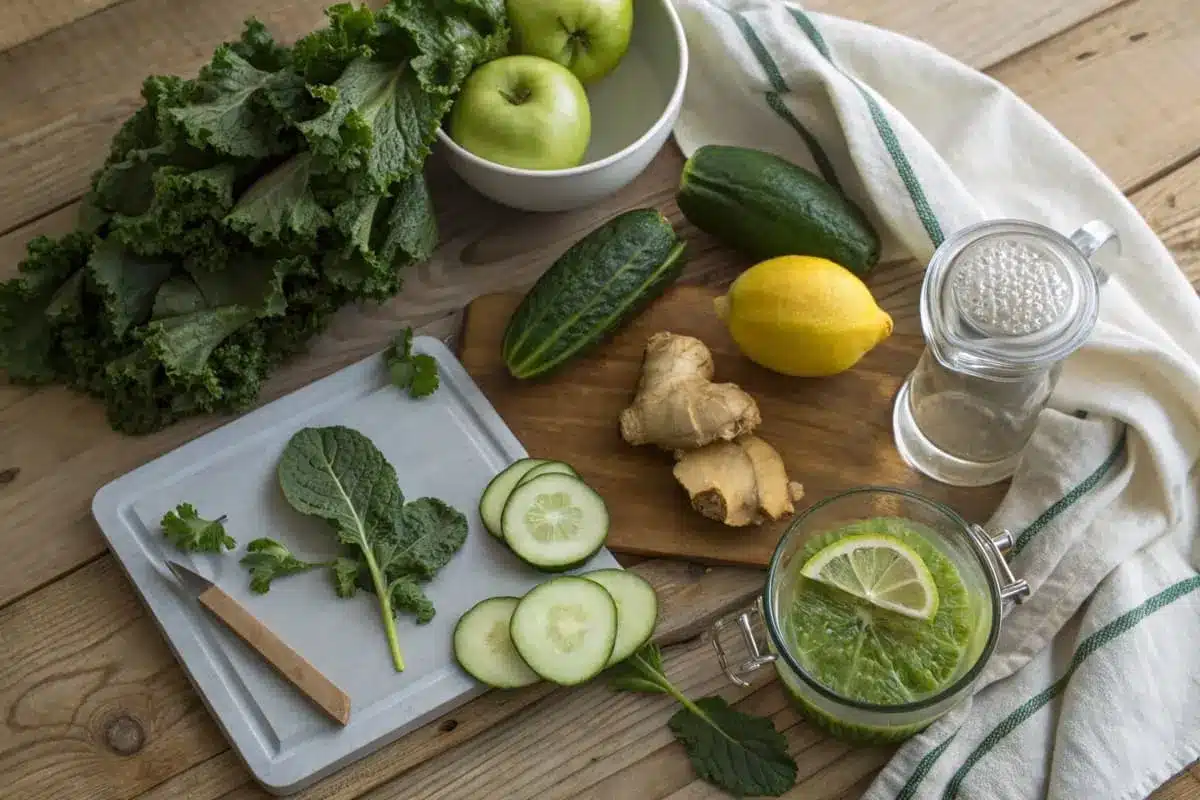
{"type": "Point", "coordinates": [418, 373]}
{"type": "Point", "coordinates": [237, 210]}
{"type": "Point", "coordinates": [743, 754]}
{"type": "Point", "coordinates": [267, 560]}
{"type": "Point", "coordinates": [191, 533]}
{"type": "Point", "coordinates": [392, 547]}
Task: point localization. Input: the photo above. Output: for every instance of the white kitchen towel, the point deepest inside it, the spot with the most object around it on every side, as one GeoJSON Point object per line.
{"type": "Point", "coordinates": [1094, 689]}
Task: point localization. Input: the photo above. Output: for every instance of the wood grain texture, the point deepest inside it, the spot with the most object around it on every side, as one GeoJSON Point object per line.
{"type": "Point", "coordinates": [25, 20]}
{"type": "Point", "coordinates": [81, 656]}
{"type": "Point", "coordinates": [833, 433]}
{"type": "Point", "coordinates": [290, 664]}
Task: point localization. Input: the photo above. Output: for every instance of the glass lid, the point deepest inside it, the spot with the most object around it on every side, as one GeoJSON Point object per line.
{"type": "Point", "coordinates": [1007, 298]}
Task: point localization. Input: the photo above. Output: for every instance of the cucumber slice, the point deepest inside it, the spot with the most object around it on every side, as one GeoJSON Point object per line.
{"type": "Point", "coordinates": [554, 522]}
{"type": "Point", "coordinates": [556, 467]}
{"type": "Point", "coordinates": [495, 494]}
{"type": "Point", "coordinates": [483, 648]}
{"type": "Point", "coordinates": [637, 609]}
{"type": "Point", "coordinates": [565, 629]}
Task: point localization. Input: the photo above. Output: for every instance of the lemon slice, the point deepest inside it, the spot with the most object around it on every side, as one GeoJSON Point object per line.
{"type": "Point", "coordinates": [879, 569]}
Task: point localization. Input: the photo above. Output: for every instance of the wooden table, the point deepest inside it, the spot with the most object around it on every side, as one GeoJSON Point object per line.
{"type": "Point", "coordinates": [94, 705]}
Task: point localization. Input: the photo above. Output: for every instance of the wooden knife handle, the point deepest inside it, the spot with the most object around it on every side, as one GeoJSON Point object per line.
{"type": "Point", "coordinates": [290, 664]}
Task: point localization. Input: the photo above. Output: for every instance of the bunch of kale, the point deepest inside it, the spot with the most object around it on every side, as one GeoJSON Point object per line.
{"type": "Point", "coordinates": [238, 210]}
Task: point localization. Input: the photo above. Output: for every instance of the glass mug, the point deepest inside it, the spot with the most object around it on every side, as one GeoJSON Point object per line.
{"type": "Point", "coordinates": [991, 589]}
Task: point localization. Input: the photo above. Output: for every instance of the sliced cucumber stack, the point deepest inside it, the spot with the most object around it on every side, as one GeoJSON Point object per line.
{"type": "Point", "coordinates": [565, 629]}
{"type": "Point", "coordinates": [556, 467]}
{"type": "Point", "coordinates": [554, 522]}
{"type": "Point", "coordinates": [491, 504]}
{"type": "Point", "coordinates": [637, 609]}
{"type": "Point", "coordinates": [483, 648]}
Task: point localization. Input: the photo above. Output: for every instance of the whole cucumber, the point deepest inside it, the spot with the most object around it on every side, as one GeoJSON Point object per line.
{"type": "Point", "coordinates": [593, 288]}
{"type": "Point", "coordinates": [766, 206]}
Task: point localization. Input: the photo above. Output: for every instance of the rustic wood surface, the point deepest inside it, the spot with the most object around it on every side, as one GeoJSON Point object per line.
{"type": "Point", "coordinates": [832, 433]}
{"type": "Point", "coordinates": [95, 706]}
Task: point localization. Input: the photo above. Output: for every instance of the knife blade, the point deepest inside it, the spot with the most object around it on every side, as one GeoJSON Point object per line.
{"type": "Point", "coordinates": [286, 661]}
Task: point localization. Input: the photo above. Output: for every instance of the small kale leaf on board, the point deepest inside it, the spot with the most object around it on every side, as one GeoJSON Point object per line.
{"type": "Point", "coordinates": [391, 547]}
{"type": "Point", "coordinates": [417, 373]}
{"type": "Point", "coordinates": [187, 530]}
{"type": "Point", "coordinates": [287, 179]}
{"type": "Point", "coordinates": [267, 559]}
{"type": "Point", "coordinates": [743, 754]}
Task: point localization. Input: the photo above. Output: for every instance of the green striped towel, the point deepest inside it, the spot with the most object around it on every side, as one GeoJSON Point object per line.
{"type": "Point", "coordinates": [1094, 690]}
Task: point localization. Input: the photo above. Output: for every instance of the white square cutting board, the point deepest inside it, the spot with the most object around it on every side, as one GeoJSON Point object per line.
{"type": "Point", "coordinates": [448, 445]}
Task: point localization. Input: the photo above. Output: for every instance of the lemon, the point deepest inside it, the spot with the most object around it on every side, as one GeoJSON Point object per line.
{"type": "Point", "coordinates": [803, 316]}
{"type": "Point", "coordinates": [879, 569]}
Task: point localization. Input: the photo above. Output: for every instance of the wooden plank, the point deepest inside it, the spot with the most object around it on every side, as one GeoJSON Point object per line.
{"type": "Point", "coordinates": [96, 705]}
{"type": "Point", "coordinates": [93, 703]}
{"type": "Point", "coordinates": [26, 20]}
{"type": "Point", "coordinates": [1172, 208]}
{"type": "Point", "coordinates": [61, 112]}
{"type": "Point", "coordinates": [1134, 104]}
{"type": "Point", "coordinates": [1184, 786]}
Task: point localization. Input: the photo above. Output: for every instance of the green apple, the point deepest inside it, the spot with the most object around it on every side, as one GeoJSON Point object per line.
{"type": "Point", "coordinates": [523, 111]}
{"type": "Point", "coordinates": [588, 37]}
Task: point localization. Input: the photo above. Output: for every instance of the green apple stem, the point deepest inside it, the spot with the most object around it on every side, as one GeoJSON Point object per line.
{"type": "Point", "coordinates": [516, 96]}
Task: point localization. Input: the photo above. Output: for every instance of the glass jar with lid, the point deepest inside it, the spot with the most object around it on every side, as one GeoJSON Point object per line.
{"type": "Point", "coordinates": [1003, 303]}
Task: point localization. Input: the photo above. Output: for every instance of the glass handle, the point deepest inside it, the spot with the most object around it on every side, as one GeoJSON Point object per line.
{"type": "Point", "coordinates": [1092, 236]}
{"type": "Point", "coordinates": [743, 621]}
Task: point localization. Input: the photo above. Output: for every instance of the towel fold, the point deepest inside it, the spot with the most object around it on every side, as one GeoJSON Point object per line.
{"type": "Point", "coordinates": [1094, 688]}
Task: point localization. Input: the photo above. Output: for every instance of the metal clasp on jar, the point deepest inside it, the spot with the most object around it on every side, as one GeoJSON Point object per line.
{"type": "Point", "coordinates": [1012, 589]}
{"type": "Point", "coordinates": [743, 621]}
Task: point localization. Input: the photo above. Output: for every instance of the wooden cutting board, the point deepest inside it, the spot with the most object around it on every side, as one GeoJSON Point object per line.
{"type": "Point", "coordinates": [833, 433]}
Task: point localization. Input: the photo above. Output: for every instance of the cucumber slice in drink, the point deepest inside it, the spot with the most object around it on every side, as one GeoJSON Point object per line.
{"type": "Point", "coordinates": [491, 503]}
{"type": "Point", "coordinates": [565, 629]}
{"type": "Point", "coordinates": [554, 522]}
{"type": "Point", "coordinates": [637, 609]}
{"type": "Point", "coordinates": [483, 648]}
{"type": "Point", "coordinates": [556, 467]}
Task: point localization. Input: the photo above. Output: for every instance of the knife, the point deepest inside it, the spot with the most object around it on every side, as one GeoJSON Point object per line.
{"type": "Point", "coordinates": [290, 664]}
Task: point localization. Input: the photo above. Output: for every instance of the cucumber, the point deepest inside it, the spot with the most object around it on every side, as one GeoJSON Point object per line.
{"type": "Point", "coordinates": [560, 467]}
{"type": "Point", "coordinates": [599, 283]}
{"type": "Point", "coordinates": [495, 494]}
{"type": "Point", "coordinates": [765, 206]}
{"type": "Point", "coordinates": [565, 629]}
{"type": "Point", "coordinates": [554, 522]}
{"type": "Point", "coordinates": [637, 609]}
{"type": "Point", "coordinates": [483, 648]}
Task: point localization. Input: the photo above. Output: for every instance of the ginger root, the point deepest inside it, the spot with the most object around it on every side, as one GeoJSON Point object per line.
{"type": "Point", "coordinates": [738, 483]}
{"type": "Point", "coordinates": [677, 406]}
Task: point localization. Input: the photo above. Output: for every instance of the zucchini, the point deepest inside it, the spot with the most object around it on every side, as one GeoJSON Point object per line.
{"type": "Point", "coordinates": [483, 648]}
{"type": "Point", "coordinates": [765, 206]}
{"type": "Point", "coordinates": [565, 629]}
{"type": "Point", "coordinates": [637, 609]}
{"type": "Point", "coordinates": [598, 284]}
{"type": "Point", "coordinates": [554, 522]}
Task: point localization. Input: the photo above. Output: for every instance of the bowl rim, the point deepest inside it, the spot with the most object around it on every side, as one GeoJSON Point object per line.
{"type": "Point", "coordinates": [673, 104]}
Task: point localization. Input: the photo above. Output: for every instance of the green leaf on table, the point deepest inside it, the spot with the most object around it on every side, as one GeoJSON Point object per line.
{"type": "Point", "coordinates": [741, 753]}
{"type": "Point", "coordinates": [191, 533]}
{"type": "Point", "coordinates": [345, 576]}
{"type": "Point", "coordinates": [267, 560]}
{"type": "Point", "coordinates": [322, 55]}
{"type": "Point", "coordinates": [184, 344]}
{"type": "Point", "coordinates": [280, 207]}
{"type": "Point", "coordinates": [127, 284]}
{"type": "Point", "coordinates": [411, 230]}
{"type": "Point", "coordinates": [407, 595]}
{"type": "Point", "coordinates": [47, 289]}
{"type": "Point", "coordinates": [451, 36]}
{"type": "Point", "coordinates": [184, 215]}
{"type": "Point", "coordinates": [229, 115]}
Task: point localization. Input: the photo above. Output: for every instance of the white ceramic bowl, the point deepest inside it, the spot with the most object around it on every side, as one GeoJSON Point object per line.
{"type": "Point", "coordinates": [633, 111]}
